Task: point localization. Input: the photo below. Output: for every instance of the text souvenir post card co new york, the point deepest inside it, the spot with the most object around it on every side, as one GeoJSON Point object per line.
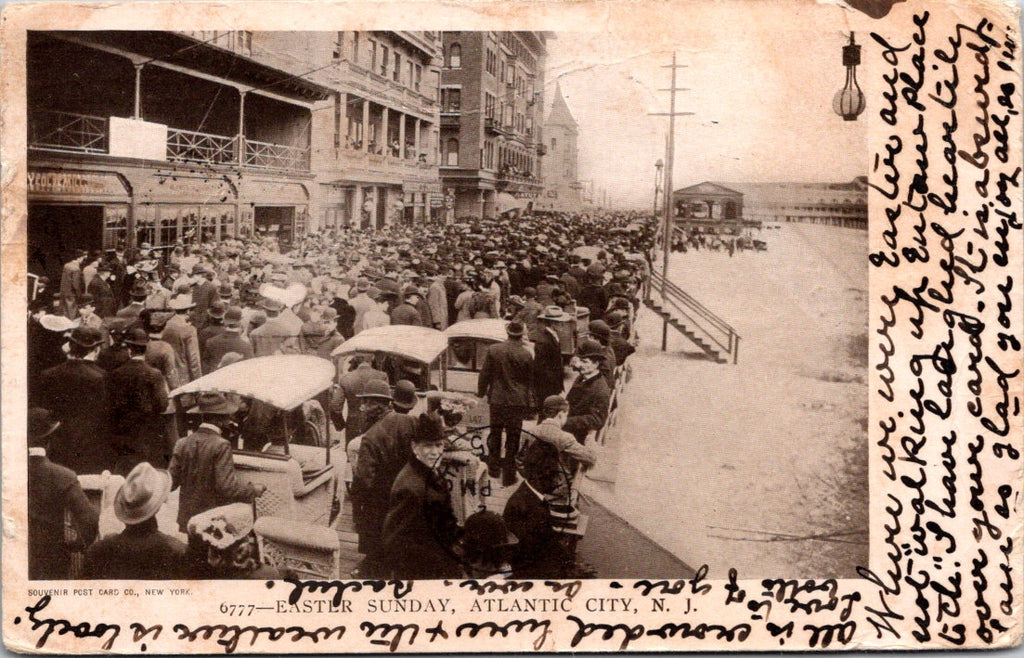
{"type": "Point", "coordinates": [547, 326]}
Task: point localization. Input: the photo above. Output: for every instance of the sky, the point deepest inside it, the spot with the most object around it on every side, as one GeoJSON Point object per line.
{"type": "Point", "coordinates": [761, 98]}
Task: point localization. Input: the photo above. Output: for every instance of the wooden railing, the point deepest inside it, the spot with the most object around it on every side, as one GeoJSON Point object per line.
{"type": "Point", "coordinates": [68, 132]}
{"type": "Point", "coordinates": [720, 332]}
{"type": "Point", "coordinates": [191, 146]}
{"type": "Point", "coordinates": [265, 155]}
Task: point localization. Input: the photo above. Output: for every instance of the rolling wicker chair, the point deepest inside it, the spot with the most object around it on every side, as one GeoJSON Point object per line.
{"type": "Point", "coordinates": [312, 506]}
{"type": "Point", "coordinates": [308, 552]}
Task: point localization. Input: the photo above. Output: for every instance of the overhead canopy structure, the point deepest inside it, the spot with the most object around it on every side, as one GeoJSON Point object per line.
{"type": "Point", "coordinates": [283, 381]}
{"type": "Point", "coordinates": [490, 328]}
{"type": "Point", "coordinates": [420, 343]}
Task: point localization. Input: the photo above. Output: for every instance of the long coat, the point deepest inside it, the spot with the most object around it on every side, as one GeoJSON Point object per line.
{"type": "Point", "coordinates": [224, 343]}
{"type": "Point", "coordinates": [52, 489]}
{"type": "Point", "coordinates": [185, 340]}
{"type": "Point", "coordinates": [138, 398]}
{"type": "Point", "coordinates": [548, 376]}
{"type": "Point", "coordinates": [204, 469]}
{"type": "Point", "coordinates": [588, 406]}
{"type": "Point", "coordinates": [72, 287]}
{"type": "Point", "coordinates": [76, 392]}
{"type": "Point", "coordinates": [507, 375]}
{"type": "Point", "coordinates": [103, 297]}
{"type": "Point", "coordinates": [385, 449]}
{"type": "Point", "coordinates": [420, 527]}
{"type": "Point", "coordinates": [539, 553]}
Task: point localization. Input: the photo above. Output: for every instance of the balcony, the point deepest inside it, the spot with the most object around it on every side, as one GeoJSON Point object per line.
{"type": "Point", "coordinates": [190, 146]}
{"type": "Point", "coordinates": [450, 120]}
{"type": "Point", "coordinates": [68, 133]}
{"type": "Point", "coordinates": [494, 126]}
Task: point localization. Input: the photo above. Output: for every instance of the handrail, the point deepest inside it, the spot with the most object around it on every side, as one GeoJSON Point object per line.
{"type": "Point", "coordinates": [683, 302]}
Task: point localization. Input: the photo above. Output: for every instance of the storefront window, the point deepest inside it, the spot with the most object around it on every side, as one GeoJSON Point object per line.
{"type": "Point", "coordinates": [227, 224]}
{"type": "Point", "coordinates": [115, 226]}
{"type": "Point", "coordinates": [145, 226]}
{"type": "Point", "coordinates": [168, 226]}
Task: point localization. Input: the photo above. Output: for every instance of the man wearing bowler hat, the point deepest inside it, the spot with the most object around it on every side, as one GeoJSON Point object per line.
{"type": "Point", "coordinates": [76, 392]}
{"type": "Point", "coordinates": [202, 464]}
{"type": "Point", "coordinates": [588, 398]}
{"type": "Point", "coordinates": [53, 490]}
{"type": "Point", "coordinates": [140, 551]}
{"type": "Point", "coordinates": [548, 368]}
{"type": "Point", "coordinates": [383, 452]}
{"type": "Point", "coordinates": [506, 379]}
{"type": "Point", "coordinates": [231, 340]}
{"type": "Point", "coordinates": [138, 399]}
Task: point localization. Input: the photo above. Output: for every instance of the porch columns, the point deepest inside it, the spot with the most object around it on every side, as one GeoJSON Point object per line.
{"type": "Point", "coordinates": [416, 139]}
{"type": "Point", "coordinates": [401, 136]}
{"type": "Point", "coordinates": [240, 139]}
{"type": "Point", "coordinates": [138, 91]}
{"type": "Point", "coordinates": [366, 127]}
{"type": "Point", "coordinates": [382, 138]}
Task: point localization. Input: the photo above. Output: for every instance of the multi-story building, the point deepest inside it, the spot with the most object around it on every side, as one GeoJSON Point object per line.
{"type": "Point", "coordinates": [492, 108]}
{"type": "Point", "coordinates": [375, 140]}
{"type": "Point", "coordinates": [166, 137]}
{"type": "Point", "coordinates": [159, 138]}
{"type": "Point", "coordinates": [561, 185]}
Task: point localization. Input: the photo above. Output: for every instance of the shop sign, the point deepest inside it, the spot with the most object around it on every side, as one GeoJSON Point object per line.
{"type": "Point", "coordinates": [436, 200]}
{"type": "Point", "coordinates": [75, 182]}
{"type": "Point", "coordinates": [421, 186]}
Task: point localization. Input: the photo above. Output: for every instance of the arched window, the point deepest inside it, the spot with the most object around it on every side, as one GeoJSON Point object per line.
{"type": "Point", "coordinates": [452, 153]}
{"type": "Point", "coordinates": [455, 56]}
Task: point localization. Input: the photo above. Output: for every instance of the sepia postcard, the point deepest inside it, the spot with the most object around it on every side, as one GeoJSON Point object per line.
{"type": "Point", "coordinates": [465, 327]}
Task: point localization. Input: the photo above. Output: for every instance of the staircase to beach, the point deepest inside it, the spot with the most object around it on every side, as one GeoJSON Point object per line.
{"type": "Point", "coordinates": [712, 335]}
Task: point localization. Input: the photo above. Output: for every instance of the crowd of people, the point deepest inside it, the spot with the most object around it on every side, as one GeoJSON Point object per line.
{"type": "Point", "coordinates": [124, 328]}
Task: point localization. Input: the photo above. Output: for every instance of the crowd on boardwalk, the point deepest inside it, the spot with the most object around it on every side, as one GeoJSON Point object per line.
{"type": "Point", "coordinates": [119, 331]}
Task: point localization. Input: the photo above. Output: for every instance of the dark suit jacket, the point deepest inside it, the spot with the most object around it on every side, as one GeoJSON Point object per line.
{"type": "Point", "coordinates": [76, 392]}
{"type": "Point", "coordinates": [204, 469]}
{"type": "Point", "coordinates": [103, 297]}
{"type": "Point", "coordinates": [588, 406]}
{"type": "Point", "coordinates": [52, 489]}
{"type": "Point", "coordinates": [548, 375]}
{"type": "Point", "coordinates": [540, 553]}
{"type": "Point", "coordinates": [224, 343]}
{"type": "Point", "coordinates": [507, 375]}
{"type": "Point", "coordinates": [138, 398]}
{"type": "Point", "coordinates": [140, 552]}
{"type": "Point", "coordinates": [406, 313]}
{"type": "Point", "coordinates": [420, 527]}
{"type": "Point", "coordinates": [385, 449]}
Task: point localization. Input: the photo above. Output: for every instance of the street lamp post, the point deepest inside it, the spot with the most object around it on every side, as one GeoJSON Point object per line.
{"type": "Point", "coordinates": [657, 181]}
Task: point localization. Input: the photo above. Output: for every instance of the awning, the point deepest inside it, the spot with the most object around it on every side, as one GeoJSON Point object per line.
{"type": "Point", "coordinates": [506, 202]}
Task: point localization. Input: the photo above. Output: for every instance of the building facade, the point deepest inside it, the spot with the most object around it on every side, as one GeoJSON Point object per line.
{"type": "Point", "coordinates": [562, 188]}
{"type": "Point", "coordinates": [492, 108]}
{"type": "Point", "coordinates": [162, 138]}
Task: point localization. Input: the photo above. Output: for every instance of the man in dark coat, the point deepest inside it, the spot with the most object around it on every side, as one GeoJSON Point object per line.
{"type": "Point", "coordinates": [541, 553]}
{"type": "Point", "coordinates": [202, 464]}
{"type": "Point", "coordinates": [138, 398]}
{"type": "Point", "coordinates": [53, 490]}
{"type": "Point", "coordinates": [102, 293]}
{"type": "Point", "coordinates": [505, 379]}
{"type": "Point", "coordinates": [204, 295]}
{"type": "Point", "coordinates": [548, 372]}
{"type": "Point", "coordinates": [602, 333]}
{"type": "Point", "coordinates": [214, 327]}
{"type": "Point", "coordinates": [141, 551]}
{"type": "Point", "coordinates": [589, 396]}
{"type": "Point", "coordinates": [420, 528]}
{"type": "Point", "coordinates": [76, 392]}
{"type": "Point", "coordinates": [593, 295]}
{"type": "Point", "coordinates": [229, 340]}
{"type": "Point", "coordinates": [408, 311]}
{"type": "Point", "coordinates": [385, 449]}
{"type": "Point", "coordinates": [345, 318]}
{"type": "Point", "coordinates": [353, 384]}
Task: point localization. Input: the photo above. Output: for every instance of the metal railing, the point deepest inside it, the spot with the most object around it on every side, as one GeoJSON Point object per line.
{"type": "Point", "coordinates": [69, 132]}
{"type": "Point", "coordinates": [265, 155]}
{"type": "Point", "coordinates": [715, 328]}
{"type": "Point", "coordinates": [191, 146]}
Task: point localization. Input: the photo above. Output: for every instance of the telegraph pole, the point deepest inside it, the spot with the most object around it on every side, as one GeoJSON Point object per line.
{"type": "Point", "coordinates": [667, 184]}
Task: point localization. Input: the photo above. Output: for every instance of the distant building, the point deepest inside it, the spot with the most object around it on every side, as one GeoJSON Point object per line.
{"type": "Point", "coordinates": [835, 204]}
{"type": "Point", "coordinates": [492, 104]}
{"type": "Point", "coordinates": [561, 185]}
